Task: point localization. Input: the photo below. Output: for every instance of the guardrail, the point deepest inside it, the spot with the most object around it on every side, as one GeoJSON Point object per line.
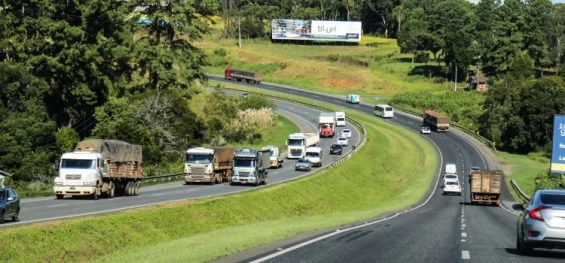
{"type": "Point", "coordinates": [519, 191]}
{"type": "Point", "coordinates": [461, 128]}
{"type": "Point", "coordinates": [335, 162]}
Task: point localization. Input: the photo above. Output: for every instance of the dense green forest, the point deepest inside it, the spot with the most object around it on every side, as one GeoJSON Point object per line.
{"type": "Point", "coordinates": [75, 69]}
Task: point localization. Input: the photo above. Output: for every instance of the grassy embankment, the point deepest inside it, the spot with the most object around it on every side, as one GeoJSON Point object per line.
{"type": "Point", "coordinates": [201, 230]}
{"type": "Point", "coordinates": [338, 70]}
{"type": "Point", "coordinates": [524, 169]}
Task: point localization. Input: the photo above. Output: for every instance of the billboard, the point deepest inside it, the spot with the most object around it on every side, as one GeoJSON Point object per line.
{"type": "Point", "coordinates": [315, 30]}
{"type": "Point", "coordinates": [558, 149]}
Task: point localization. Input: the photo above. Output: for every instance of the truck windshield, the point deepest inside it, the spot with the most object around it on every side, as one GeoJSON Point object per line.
{"type": "Point", "coordinates": [273, 154]}
{"type": "Point", "coordinates": [243, 163]}
{"type": "Point", "coordinates": [295, 142]}
{"type": "Point", "coordinates": [77, 164]}
{"type": "Point", "coordinates": [312, 154]}
{"type": "Point", "coordinates": [198, 158]}
{"type": "Point", "coordinates": [340, 119]}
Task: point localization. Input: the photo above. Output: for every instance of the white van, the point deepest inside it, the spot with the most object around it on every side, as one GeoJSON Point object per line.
{"type": "Point", "coordinates": [340, 119]}
{"type": "Point", "coordinates": [315, 155]}
{"type": "Point", "coordinates": [352, 98]}
{"type": "Point", "coordinates": [450, 168]}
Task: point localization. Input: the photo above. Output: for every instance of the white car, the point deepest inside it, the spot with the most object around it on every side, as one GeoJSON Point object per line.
{"type": "Point", "coordinates": [425, 130]}
{"type": "Point", "coordinates": [450, 178]}
{"type": "Point", "coordinates": [452, 187]}
{"type": "Point", "coordinates": [346, 133]}
{"type": "Point", "coordinates": [342, 141]}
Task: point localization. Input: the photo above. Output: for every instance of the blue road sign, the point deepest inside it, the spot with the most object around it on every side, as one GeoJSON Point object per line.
{"type": "Point", "coordinates": [377, 98]}
{"type": "Point", "coordinates": [558, 149]}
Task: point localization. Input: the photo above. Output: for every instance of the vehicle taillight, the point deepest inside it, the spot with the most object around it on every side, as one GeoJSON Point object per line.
{"type": "Point", "coordinates": [536, 213]}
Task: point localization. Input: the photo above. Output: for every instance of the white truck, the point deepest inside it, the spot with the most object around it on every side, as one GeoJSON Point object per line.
{"type": "Point", "coordinates": [298, 142]}
{"type": "Point", "coordinates": [276, 157]}
{"type": "Point", "coordinates": [327, 124]}
{"type": "Point", "coordinates": [210, 165]}
{"type": "Point", "coordinates": [99, 167]}
{"type": "Point", "coordinates": [340, 119]}
{"type": "Point", "coordinates": [315, 155]}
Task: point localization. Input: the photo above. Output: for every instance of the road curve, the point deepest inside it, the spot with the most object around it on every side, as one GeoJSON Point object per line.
{"type": "Point", "coordinates": [445, 229]}
{"type": "Point", "coordinates": [45, 209]}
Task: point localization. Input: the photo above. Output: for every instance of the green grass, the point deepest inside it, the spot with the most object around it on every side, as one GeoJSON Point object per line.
{"type": "Point", "coordinates": [275, 135]}
{"type": "Point", "coordinates": [327, 69]}
{"type": "Point", "coordinates": [199, 231]}
{"type": "Point", "coordinates": [524, 169]}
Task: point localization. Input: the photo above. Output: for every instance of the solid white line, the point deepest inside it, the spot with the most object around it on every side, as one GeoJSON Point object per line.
{"type": "Point", "coordinates": [339, 231]}
{"type": "Point", "coordinates": [57, 205]}
{"type": "Point", "coordinates": [465, 254]}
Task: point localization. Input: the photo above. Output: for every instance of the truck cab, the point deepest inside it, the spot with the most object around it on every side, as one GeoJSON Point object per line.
{"type": "Point", "coordinates": [249, 166]}
{"type": "Point", "coordinates": [340, 119]}
{"type": "Point", "coordinates": [79, 174]}
{"type": "Point", "coordinates": [315, 156]}
{"type": "Point", "coordinates": [199, 165]}
{"type": "Point", "coordinates": [275, 159]}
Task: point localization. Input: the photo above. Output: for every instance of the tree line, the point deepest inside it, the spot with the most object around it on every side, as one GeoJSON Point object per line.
{"type": "Point", "coordinates": [111, 69]}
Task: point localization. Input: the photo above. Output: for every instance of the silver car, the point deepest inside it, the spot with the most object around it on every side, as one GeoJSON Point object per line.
{"type": "Point", "coordinates": [542, 222]}
{"type": "Point", "coordinates": [303, 165]}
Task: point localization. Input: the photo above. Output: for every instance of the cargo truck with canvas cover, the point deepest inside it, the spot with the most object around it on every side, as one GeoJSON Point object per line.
{"type": "Point", "coordinates": [208, 165]}
{"type": "Point", "coordinates": [439, 122]}
{"type": "Point", "coordinates": [99, 167]}
{"type": "Point", "coordinates": [327, 124]}
{"type": "Point", "coordinates": [240, 75]}
{"type": "Point", "coordinates": [250, 166]}
{"type": "Point", "coordinates": [298, 142]}
{"type": "Point", "coordinates": [276, 157]}
{"type": "Point", "coordinates": [485, 187]}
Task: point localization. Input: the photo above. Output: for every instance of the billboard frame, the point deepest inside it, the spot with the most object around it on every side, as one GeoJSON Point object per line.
{"type": "Point", "coordinates": [327, 31]}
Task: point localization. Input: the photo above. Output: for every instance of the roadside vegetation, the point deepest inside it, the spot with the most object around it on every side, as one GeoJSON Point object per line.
{"type": "Point", "coordinates": [202, 230]}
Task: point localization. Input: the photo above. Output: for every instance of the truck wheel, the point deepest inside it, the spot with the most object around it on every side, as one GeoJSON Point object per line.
{"type": "Point", "coordinates": [132, 189]}
{"type": "Point", "coordinates": [127, 189]}
{"type": "Point", "coordinates": [111, 190]}
{"type": "Point", "coordinates": [60, 196]}
{"type": "Point", "coordinates": [137, 186]}
{"type": "Point", "coordinates": [257, 181]}
{"type": "Point", "coordinates": [95, 196]}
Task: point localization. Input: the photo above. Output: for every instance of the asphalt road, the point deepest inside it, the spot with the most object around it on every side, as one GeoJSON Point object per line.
{"type": "Point", "coordinates": [44, 209]}
{"type": "Point", "coordinates": [445, 229]}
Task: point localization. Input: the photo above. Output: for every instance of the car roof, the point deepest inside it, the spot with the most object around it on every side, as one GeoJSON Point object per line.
{"type": "Point", "coordinates": [336, 145]}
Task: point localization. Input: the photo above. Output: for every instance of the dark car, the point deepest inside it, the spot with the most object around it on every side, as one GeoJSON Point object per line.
{"type": "Point", "coordinates": [336, 149]}
{"type": "Point", "coordinates": [9, 204]}
{"type": "Point", "coordinates": [303, 165]}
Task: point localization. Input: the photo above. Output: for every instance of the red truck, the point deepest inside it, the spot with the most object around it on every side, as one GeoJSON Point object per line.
{"type": "Point", "coordinates": [240, 75]}
{"type": "Point", "coordinates": [438, 121]}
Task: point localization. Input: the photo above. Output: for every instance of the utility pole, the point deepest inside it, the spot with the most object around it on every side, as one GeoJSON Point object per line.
{"type": "Point", "coordinates": [455, 88]}
{"type": "Point", "coordinates": [239, 26]}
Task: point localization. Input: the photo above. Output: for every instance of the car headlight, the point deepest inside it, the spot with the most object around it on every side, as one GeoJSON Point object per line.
{"type": "Point", "coordinates": [58, 183]}
{"type": "Point", "coordinates": [89, 183]}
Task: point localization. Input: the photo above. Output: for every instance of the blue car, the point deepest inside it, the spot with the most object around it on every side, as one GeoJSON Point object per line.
{"type": "Point", "coordinates": [9, 204]}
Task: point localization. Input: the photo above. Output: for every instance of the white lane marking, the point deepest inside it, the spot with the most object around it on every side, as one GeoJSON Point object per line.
{"type": "Point", "coordinates": [37, 200]}
{"type": "Point", "coordinates": [158, 194]}
{"type": "Point", "coordinates": [339, 231]}
{"type": "Point", "coordinates": [464, 225]}
{"type": "Point", "coordinates": [465, 254]}
{"type": "Point", "coordinates": [463, 240]}
{"type": "Point", "coordinates": [315, 96]}
{"type": "Point", "coordinates": [309, 123]}
{"type": "Point", "coordinates": [463, 234]}
{"type": "Point", "coordinates": [57, 205]}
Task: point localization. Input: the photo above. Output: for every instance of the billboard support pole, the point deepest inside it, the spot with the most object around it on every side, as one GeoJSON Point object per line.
{"type": "Point", "coordinates": [239, 29]}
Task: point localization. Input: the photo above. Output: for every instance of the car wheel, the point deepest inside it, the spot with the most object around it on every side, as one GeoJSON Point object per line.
{"type": "Point", "coordinates": [523, 247]}
{"type": "Point", "coordinates": [2, 217]}
{"type": "Point", "coordinates": [16, 217]}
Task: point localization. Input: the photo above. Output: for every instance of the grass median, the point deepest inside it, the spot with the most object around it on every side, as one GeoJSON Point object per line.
{"type": "Point", "coordinates": [365, 186]}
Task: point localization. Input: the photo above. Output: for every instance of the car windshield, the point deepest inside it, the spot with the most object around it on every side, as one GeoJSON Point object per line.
{"type": "Point", "coordinates": [475, 168]}
{"type": "Point", "coordinates": [450, 176]}
{"type": "Point", "coordinates": [77, 164]}
{"type": "Point", "coordinates": [198, 158]}
{"type": "Point", "coordinates": [2, 194]}
{"type": "Point", "coordinates": [553, 199]}
{"type": "Point", "coordinates": [340, 119]}
{"type": "Point", "coordinates": [273, 154]}
{"type": "Point", "coordinates": [425, 128]}
{"type": "Point", "coordinates": [312, 154]}
{"type": "Point", "coordinates": [342, 139]}
{"type": "Point", "coordinates": [302, 162]}
{"type": "Point", "coordinates": [346, 131]}
{"type": "Point", "coordinates": [336, 146]}
{"type": "Point", "coordinates": [452, 183]}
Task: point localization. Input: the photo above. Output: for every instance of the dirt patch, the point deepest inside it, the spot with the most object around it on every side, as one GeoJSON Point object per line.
{"type": "Point", "coordinates": [506, 168]}
{"type": "Point", "coordinates": [339, 83]}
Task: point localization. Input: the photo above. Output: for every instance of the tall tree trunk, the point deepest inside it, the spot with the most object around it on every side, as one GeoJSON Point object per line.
{"type": "Point", "coordinates": [385, 24]}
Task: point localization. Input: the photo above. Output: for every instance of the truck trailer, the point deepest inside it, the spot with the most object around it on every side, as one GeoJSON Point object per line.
{"type": "Point", "coordinates": [208, 165]}
{"type": "Point", "coordinates": [250, 166]}
{"type": "Point", "coordinates": [485, 187]}
{"type": "Point", "coordinates": [298, 142]}
{"type": "Point", "coordinates": [99, 167]}
{"type": "Point", "coordinates": [439, 122]}
{"type": "Point", "coordinates": [240, 75]}
{"type": "Point", "coordinates": [276, 157]}
{"type": "Point", "coordinates": [327, 124]}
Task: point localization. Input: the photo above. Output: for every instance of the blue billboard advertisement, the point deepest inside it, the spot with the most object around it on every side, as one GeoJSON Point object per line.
{"type": "Point", "coordinates": [558, 149]}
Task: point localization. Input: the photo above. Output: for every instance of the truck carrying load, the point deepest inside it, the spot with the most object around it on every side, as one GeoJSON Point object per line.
{"type": "Point", "coordinates": [439, 122]}
{"type": "Point", "coordinates": [485, 187]}
{"type": "Point", "coordinates": [327, 124]}
{"type": "Point", "coordinates": [298, 142]}
{"type": "Point", "coordinates": [100, 167]}
{"type": "Point", "coordinates": [277, 158]}
{"type": "Point", "coordinates": [240, 75]}
{"type": "Point", "coordinates": [210, 165]}
{"type": "Point", "coordinates": [250, 166]}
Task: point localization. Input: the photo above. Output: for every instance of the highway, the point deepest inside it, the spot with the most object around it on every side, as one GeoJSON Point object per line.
{"type": "Point", "coordinates": [45, 209]}
{"type": "Point", "coordinates": [444, 229]}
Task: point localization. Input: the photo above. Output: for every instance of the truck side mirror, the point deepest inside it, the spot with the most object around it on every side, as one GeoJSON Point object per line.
{"type": "Point", "coordinates": [286, 142]}
{"type": "Point", "coordinates": [518, 207]}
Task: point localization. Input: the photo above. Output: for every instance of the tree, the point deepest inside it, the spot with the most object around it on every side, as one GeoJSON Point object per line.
{"type": "Point", "coordinates": [399, 15]}
{"type": "Point", "coordinates": [412, 37]}
{"type": "Point", "coordinates": [508, 29]}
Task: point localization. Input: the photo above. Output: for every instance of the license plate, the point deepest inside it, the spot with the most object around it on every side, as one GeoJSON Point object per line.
{"type": "Point", "coordinates": [243, 182]}
{"type": "Point", "coordinates": [197, 181]}
{"type": "Point", "coordinates": [72, 188]}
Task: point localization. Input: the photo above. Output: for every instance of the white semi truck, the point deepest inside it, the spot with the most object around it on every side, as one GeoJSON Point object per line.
{"type": "Point", "coordinates": [298, 142]}
{"type": "Point", "coordinates": [99, 167]}
{"type": "Point", "coordinates": [209, 165]}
